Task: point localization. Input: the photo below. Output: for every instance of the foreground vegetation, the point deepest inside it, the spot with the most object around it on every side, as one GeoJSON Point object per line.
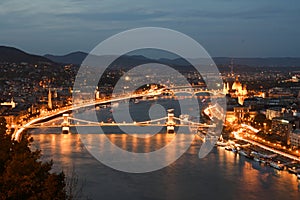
{"type": "Point", "coordinates": [22, 173]}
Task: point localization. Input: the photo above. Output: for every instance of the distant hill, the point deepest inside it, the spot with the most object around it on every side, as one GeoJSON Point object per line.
{"type": "Point", "coordinates": [78, 57]}
{"type": "Point", "coordinates": [71, 58]}
{"type": "Point", "coordinates": [260, 62]}
{"type": "Point", "coordinates": [14, 55]}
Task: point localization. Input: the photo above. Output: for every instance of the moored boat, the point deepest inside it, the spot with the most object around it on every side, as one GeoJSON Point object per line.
{"type": "Point", "coordinates": [256, 159]}
{"type": "Point", "coordinates": [228, 148]}
{"type": "Point", "coordinates": [263, 161]}
{"type": "Point", "coordinates": [243, 153]}
{"type": "Point", "coordinates": [276, 166]}
{"type": "Point", "coordinates": [249, 156]}
{"type": "Point", "coordinates": [293, 170]}
{"type": "Point", "coordinates": [234, 150]}
{"type": "Point", "coordinates": [221, 144]}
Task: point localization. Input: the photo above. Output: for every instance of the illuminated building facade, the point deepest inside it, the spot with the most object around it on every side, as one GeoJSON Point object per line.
{"type": "Point", "coordinates": [282, 128]}
{"type": "Point", "coordinates": [236, 89]}
{"type": "Point", "coordinates": [274, 112]}
{"type": "Point", "coordinates": [295, 138]}
{"type": "Point", "coordinates": [239, 115]}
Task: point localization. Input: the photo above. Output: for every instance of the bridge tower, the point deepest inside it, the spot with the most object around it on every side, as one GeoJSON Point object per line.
{"type": "Point", "coordinates": [170, 122]}
{"type": "Point", "coordinates": [65, 124]}
{"type": "Point", "coordinates": [97, 93]}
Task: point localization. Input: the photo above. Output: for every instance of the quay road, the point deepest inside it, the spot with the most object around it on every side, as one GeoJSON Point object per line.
{"type": "Point", "coordinates": [268, 148]}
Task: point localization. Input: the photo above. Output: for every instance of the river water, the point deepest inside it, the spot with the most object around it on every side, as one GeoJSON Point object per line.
{"type": "Point", "coordinates": [220, 175]}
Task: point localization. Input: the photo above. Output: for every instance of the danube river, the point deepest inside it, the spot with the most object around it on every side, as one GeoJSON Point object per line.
{"type": "Point", "coordinates": [220, 175]}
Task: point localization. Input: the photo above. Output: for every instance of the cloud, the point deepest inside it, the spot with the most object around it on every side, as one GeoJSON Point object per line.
{"type": "Point", "coordinates": [66, 13]}
{"type": "Point", "coordinates": [124, 15]}
{"type": "Point", "coordinates": [211, 20]}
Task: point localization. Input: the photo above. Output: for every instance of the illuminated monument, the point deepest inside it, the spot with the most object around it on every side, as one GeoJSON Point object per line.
{"type": "Point", "coordinates": [49, 99]}
{"type": "Point", "coordinates": [234, 88]}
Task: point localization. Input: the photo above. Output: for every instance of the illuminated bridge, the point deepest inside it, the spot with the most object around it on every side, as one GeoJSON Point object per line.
{"type": "Point", "coordinates": [195, 91]}
{"type": "Point", "coordinates": [170, 120]}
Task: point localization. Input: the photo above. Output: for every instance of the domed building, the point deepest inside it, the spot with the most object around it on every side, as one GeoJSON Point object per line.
{"type": "Point", "coordinates": [237, 86]}
{"type": "Point", "coordinates": [236, 89]}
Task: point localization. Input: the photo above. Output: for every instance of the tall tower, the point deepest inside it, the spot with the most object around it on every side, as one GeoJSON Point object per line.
{"type": "Point", "coordinates": [49, 99]}
{"type": "Point", "coordinates": [231, 68]}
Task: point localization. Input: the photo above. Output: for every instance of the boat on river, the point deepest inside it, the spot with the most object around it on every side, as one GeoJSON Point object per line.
{"type": "Point", "coordinates": [242, 152]}
{"type": "Point", "coordinates": [276, 165]}
{"type": "Point", "coordinates": [228, 148]}
{"type": "Point", "coordinates": [256, 159]}
{"type": "Point", "coordinates": [293, 170]}
{"type": "Point", "coordinates": [221, 144]}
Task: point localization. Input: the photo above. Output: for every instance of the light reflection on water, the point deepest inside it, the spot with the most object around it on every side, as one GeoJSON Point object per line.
{"type": "Point", "coordinates": [220, 175]}
{"type": "Point", "coordinates": [138, 143]}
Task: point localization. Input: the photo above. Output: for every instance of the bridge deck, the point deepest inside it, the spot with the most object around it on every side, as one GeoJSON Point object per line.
{"type": "Point", "coordinates": [115, 124]}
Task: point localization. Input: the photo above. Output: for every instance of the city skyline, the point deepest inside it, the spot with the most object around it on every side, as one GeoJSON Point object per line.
{"type": "Point", "coordinates": [231, 29]}
{"type": "Point", "coordinates": [107, 99]}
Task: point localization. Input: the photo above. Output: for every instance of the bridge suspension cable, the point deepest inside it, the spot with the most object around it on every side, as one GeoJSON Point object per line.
{"type": "Point", "coordinates": [194, 123]}
{"type": "Point", "coordinates": [82, 120]}
{"type": "Point", "coordinates": [153, 120]}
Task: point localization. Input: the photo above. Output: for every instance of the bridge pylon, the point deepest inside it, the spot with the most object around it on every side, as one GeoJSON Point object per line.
{"type": "Point", "coordinates": [65, 124]}
{"type": "Point", "coordinates": [170, 122]}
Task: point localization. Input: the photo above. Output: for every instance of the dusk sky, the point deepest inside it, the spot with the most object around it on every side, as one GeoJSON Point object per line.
{"type": "Point", "coordinates": [237, 28]}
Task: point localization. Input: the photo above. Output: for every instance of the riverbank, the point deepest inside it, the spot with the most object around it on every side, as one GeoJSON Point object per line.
{"type": "Point", "coordinates": [263, 154]}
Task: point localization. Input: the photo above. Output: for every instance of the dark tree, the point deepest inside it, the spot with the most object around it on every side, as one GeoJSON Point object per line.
{"type": "Point", "coordinates": [22, 174]}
